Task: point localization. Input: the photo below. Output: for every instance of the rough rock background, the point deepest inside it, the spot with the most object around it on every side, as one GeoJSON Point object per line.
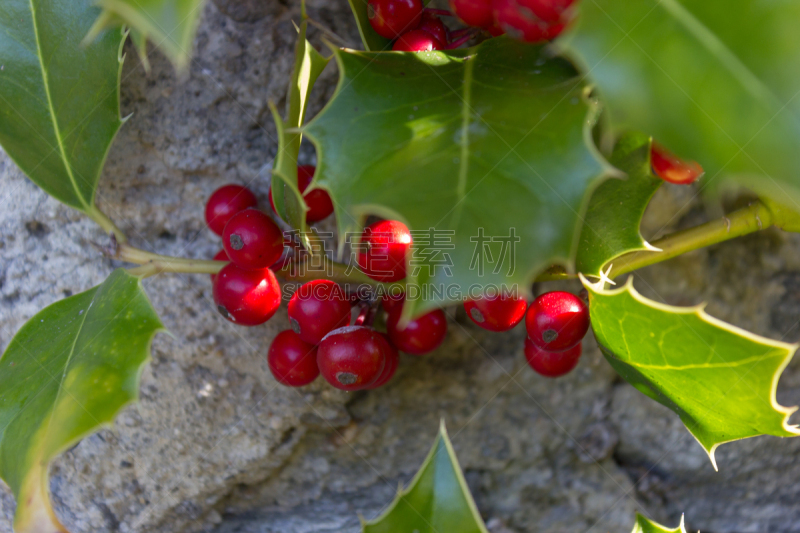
{"type": "Point", "coordinates": [215, 445]}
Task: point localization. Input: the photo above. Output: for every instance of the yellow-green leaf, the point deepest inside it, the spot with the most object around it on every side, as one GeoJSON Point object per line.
{"type": "Point", "coordinates": [720, 379]}
{"type": "Point", "coordinates": [644, 525]}
{"type": "Point", "coordinates": [66, 373]}
{"type": "Point", "coordinates": [437, 501]}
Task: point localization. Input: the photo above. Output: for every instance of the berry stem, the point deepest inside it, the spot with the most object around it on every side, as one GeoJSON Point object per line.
{"type": "Point", "coordinates": [463, 39]}
{"type": "Point", "coordinates": [440, 12]}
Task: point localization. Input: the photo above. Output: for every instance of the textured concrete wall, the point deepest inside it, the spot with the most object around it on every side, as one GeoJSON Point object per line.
{"type": "Point", "coordinates": [216, 444]}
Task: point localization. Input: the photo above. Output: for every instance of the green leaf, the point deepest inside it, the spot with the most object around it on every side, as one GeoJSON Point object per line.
{"type": "Point", "coordinates": [490, 142]}
{"type": "Point", "coordinates": [644, 525]}
{"type": "Point", "coordinates": [720, 380]}
{"type": "Point", "coordinates": [308, 65]}
{"type": "Point", "coordinates": [611, 224]}
{"type": "Point", "coordinates": [170, 24]}
{"type": "Point", "coordinates": [372, 41]}
{"type": "Point", "coordinates": [66, 373]}
{"type": "Point", "coordinates": [59, 100]}
{"type": "Point", "coordinates": [438, 499]}
{"type": "Point", "coordinates": [713, 80]}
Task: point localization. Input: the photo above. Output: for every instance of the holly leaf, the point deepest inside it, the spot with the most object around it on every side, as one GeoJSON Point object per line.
{"type": "Point", "coordinates": [369, 37]}
{"type": "Point", "coordinates": [485, 153]}
{"type": "Point", "coordinates": [170, 24]}
{"type": "Point", "coordinates": [644, 525]}
{"type": "Point", "coordinates": [611, 224]}
{"type": "Point", "coordinates": [59, 101]}
{"type": "Point", "coordinates": [720, 380]}
{"type": "Point", "coordinates": [308, 65]}
{"type": "Point", "coordinates": [438, 498]}
{"type": "Point", "coordinates": [714, 81]}
{"type": "Point", "coordinates": [66, 373]}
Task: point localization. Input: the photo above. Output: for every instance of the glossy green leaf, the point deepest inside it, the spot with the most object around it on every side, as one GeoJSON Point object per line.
{"type": "Point", "coordinates": [643, 525]}
{"type": "Point", "coordinates": [713, 80]}
{"type": "Point", "coordinates": [720, 380]}
{"type": "Point", "coordinates": [169, 24]}
{"type": "Point", "coordinates": [308, 65]}
{"type": "Point", "coordinates": [611, 224]}
{"type": "Point", "coordinates": [66, 373]}
{"type": "Point", "coordinates": [485, 153]}
{"type": "Point", "coordinates": [437, 500]}
{"type": "Point", "coordinates": [371, 40]}
{"type": "Point", "coordinates": [59, 101]}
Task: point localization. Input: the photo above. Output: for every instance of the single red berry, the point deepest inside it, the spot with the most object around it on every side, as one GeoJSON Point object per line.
{"type": "Point", "coordinates": [422, 334]}
{"type": "Point", "coordinates": [246, 297]}
{"type": "Point", "coordinates": [226, 202]}
{"type": "Point", "coordinates": [392, 362]}
{"type": "Point", "coordinates": [352, 357]}
{"type": "Point", "coordinates": [433, 25]}
{"type": "Point", "coordinates": [317, 308]}
{"type": "Point", "coordinates": [221, 256]}
{"type": "Point", "coordinates": [551, 364]}
{"type": "Point", "coordinates": [416, 41]}
{"type": "Point", "coordinates": [292, 362]}
{"type": "Point", "coordinates": [497, 313]}
{"type": "Point", "coordinates": [520, 23]}
{"type": "Point", "coordinates": [318, 201]}
{"type": "Point", "coordinates": [392, 18]}
{"type": "Point", "coordinates": [476, 13]}
{"type": "Point", "coordinates": [495, 30]}
{"type": "Point", "coordinates": [390, 301]}
{"type": "Point", "coordinates": [672, 169]}
{"type": "Point", "coordinates": [384, 247]}
{"type": "Point", "coordinates": [557, 321]}
{"type": "Point", "coordinates": [252, 240]}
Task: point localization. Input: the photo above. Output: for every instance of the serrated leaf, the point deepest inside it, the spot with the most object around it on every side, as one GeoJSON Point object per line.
{"type": "Point", "coordinates": [714, 81]}
{"type": "Point", "coordinates": [59, 100]}
{"type": "Point", "coordinates": [308, 65]}
{"type": "Point", "coordinates": [470, 145]}
{"type": "Point", "coordinates": [611, 224]}
{"type": "Point", "coordinates": [720, 380]}
{"type": "Point", "coordinates": [67, 372]}
{"type": "Point", "coordinates": [371, 40]}
{"type": "Point", "coordinates": [644, 525]}
{"type": "Point", "coordinates": [169, 24]}
{"type": "Point", "coordinates": [437, 500]}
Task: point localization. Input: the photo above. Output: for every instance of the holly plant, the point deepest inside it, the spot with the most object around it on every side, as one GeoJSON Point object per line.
{"type": "Point", "coordinates": [466, 154]}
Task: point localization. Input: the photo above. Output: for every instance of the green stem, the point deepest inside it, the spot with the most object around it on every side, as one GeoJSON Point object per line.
{"type": "Point", "coordinates": [753, 218]}
{"type": "Point", "coordinates": [106, 223]}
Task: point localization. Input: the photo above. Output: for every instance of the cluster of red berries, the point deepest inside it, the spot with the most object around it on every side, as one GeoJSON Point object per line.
{"type": "Point", "coordinates": [417, 29]}
{"type": "Point", "coordinates": [556, 323]}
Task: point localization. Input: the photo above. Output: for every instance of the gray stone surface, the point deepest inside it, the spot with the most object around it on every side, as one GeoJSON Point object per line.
{"type": "Point", "coordinates": [215, 444]}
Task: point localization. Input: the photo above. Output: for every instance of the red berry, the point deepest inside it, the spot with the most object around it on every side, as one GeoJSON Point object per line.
{"type": "Point", "coordinates": [519, 22]}
{"type": "Point", "coordinates": [384, 247]}
{"type": "Point", "coordinates": [246, 297]}
{"type": "Point", "coordinates": [317, 308]}
{"type": "Point", "coordinates": [495, 30]}
{"type": "Point", "coordinates": [392, 361]}
{"type": "Point", "coordinates": [252, 240]}
{"type": "Point", "coordinates": [221, 256]}
{"type": "Point", "coordinates": [551, 364]}
{"type": "Point", "coordinates": [226, 202]}
{"type": "Point", "coordinates": [392, 18]}
{"type": "Point", "coordinates": [318, 201]}
{"type": "Point", "coordinates": [673, 169]}
{"type": "Point", "coordinates": [292, 361]}
{"type": "Point", "coordinates": [421, 335]}
{"type": "Point", "coordinates": [497, 313]}
{"type": "Point", "coordinates": [476, 13]}
{"type": "Point", "coordinates": [416, 41]}
{"type": "Point", "coordinates": [433, 25]}
{"type": "Point", "coordinates": [352, 357]}
{"type": "Point", "coordinates": [547, 10]}
{"type": "Point", "coordinates": [557, 321]}
{"type": "Point", "coordinates": [390, 301]}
